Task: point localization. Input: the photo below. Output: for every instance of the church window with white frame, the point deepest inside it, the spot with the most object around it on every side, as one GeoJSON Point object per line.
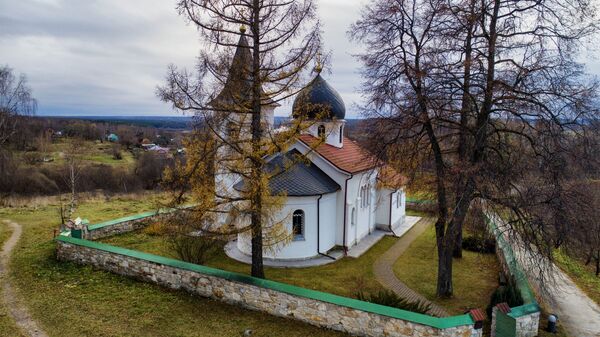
{"type": "Point", "coordinates": [321, 131]}
{"type": "Point", "coordinates": [298, 225]}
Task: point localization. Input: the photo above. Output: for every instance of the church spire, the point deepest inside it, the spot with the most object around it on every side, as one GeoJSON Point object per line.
{"type": "Point", "coordinates": [237, 90]}
{"type": "Point", "coordinates": [238, 86]}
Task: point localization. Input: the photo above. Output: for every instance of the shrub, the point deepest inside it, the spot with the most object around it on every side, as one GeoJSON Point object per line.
{"type": "Point", "coordinates": [31, 158]}
{"type": "Point", "coordinates": [149, 169]}
{"type": "Point", "coordinates": [508, 293]}
{"type": "Point", "coordinates": [116, 152]}
{"type": "Point", "coordinates": [155, 228]}
{"type": "Point", "coordinates": [479, 245]}
{"type": "Point", "coordinates": [194, 249]}
{"type": "Point", "coordinates": [391, 299]}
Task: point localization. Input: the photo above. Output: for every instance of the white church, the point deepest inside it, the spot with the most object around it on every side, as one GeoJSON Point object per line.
{"type": "Point", "coordinates": [341, 197]}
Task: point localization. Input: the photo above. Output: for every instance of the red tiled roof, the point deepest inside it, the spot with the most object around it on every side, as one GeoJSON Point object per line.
{"type": "Point", "coordinates": [350, 158]}
{"type": "Point", "coordinates": [389, 177]}
{"type": "Point", "coordinates": [503, 307]}
{"type": "Point", "coordinates": [477, 314]}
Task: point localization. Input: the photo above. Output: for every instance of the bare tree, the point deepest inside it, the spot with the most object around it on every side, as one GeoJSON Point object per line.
{"type": "Point", "coordinates": [480, 95]}
{"type": "Point", "coordinates": [71, 175]}
{"type": "Point", "coordinates": [255, 54]}
{"type": "Point", "coordinates": [15, 100]}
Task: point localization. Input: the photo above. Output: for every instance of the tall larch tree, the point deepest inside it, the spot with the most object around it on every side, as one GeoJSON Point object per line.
{"type": "Point", "coordinates": [255, 53]}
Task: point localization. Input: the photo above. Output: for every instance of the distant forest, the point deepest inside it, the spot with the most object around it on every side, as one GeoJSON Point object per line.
{"type": "Point", "coordinates": [159, 122]}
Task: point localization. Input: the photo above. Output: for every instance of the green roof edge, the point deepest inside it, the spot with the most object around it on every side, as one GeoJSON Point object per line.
{"type": "Point", "coordinates": [435, 322]}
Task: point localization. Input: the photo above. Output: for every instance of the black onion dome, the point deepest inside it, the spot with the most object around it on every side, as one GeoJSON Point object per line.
{"type": "Point", "coordinates": [319, 99]}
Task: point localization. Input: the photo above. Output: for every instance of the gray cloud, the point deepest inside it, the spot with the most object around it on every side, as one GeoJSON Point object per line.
{"type": "Point", "coordinates": [106, 57]}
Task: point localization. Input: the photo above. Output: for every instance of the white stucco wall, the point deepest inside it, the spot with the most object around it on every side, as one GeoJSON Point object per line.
{"type": "Point", "coordinates": [398, 213]}
{"type": "Point", "coordinates": [382, 217]}
{"type": "Point", "coordinates": [365, 216]}
{"type": "Point", "coordinates": [306, 248]}
{"type": "Point", "coordinates": [328, 221]}
{"type": "Point", "coordinates": [339, 177]}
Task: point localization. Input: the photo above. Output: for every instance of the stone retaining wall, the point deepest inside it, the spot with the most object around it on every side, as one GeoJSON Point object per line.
{"type": "Point", "coordinates": [316, 308]}
{"type": "Point", "coordinates": [421, 206]}
{"type": "Point", "coordinates": [120, 226]}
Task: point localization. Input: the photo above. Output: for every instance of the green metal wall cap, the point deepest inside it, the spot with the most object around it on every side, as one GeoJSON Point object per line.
{"type": "Point", "coordinates": [435, 322]}
{"type": "Point", "coordinates": [120, 220]}
{"type": "Point", "coordinates": [134, 217]}
{"type": "Point", "coordinates": [523, 310]}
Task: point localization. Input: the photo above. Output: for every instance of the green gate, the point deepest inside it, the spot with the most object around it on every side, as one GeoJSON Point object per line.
{"type": "Point", "coordinates": [506, 326]}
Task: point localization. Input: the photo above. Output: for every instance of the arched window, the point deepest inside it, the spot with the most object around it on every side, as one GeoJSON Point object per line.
{"type": "Point", "coordinates": [298, 224]}
{"type": "Point", "coordinates": [399, 199]}
{"type": "Point", "coordinates": [341, 133]}
{"type": "Point", "coordinates": [365, 196]}
{"type": "Point", "coordinates": [321, 131]}
{"type": "Point", "coordinates": [362, 196]}
{"type": "Point", "coordinates": [353, 216]}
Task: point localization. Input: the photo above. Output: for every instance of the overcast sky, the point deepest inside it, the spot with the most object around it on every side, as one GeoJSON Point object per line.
{"type": "Point", "coordinates": [106, 57]}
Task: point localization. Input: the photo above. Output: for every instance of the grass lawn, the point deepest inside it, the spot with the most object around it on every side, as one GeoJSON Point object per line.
{"type": "Point", "coordinates": [93, 153]}
{"type": "Point", "coordinates": [475, 276]}
{"type": "Point", "coordinates": [584, 276]}
{"type": "Point", "coordinates": [71, 300]}
{"type": "Point", "coordinates": [344, 277]}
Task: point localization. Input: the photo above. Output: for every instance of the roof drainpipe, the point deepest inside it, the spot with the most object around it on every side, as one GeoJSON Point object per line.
{"type": "Point", "coordinates": [391, 228]}
{"type": "Point", "coordinates": [345, 212]}
{"type": "Point", "coordinates": [319, 229]}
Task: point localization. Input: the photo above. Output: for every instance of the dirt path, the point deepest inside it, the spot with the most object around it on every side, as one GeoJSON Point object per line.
{"type": "Point", "coordinates": [384, 268]}
{"type": "Point", "coordinates": [15, 307]}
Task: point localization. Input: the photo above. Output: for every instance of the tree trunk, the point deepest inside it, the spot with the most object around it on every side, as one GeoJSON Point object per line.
{"type": "Point", "coordinates": [590, 256]}
{"type": "Point", "coordinates": [256, 199]}
{"type": "Point", "coordinates": [464, 120]}
{"type": "Point", "coordinates": [598, 263]}
{"type": "Point", "coordinates": [444, 278]}
{"type": "Point", "coordinates": [457, 251]}
{"type": "Point", "coordinates": [257, 251]}
{"type": "Point", "coordinates": [72, 182]}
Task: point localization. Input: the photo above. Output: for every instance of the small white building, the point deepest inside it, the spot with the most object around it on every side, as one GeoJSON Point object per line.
{"type": "Point", "coordinates": [338, 198]}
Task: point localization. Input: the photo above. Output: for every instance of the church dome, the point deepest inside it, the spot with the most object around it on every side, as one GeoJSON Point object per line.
{"type": "Point", "coordinates": [319, 99]}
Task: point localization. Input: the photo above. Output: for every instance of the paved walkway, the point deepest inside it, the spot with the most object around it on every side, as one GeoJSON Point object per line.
{"type": "Point", "coordinates": [16, 309]}
{"type": "Point", "coordinates": [384, 271]}
{"type": "Point", "coordinates": [370, 240]}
